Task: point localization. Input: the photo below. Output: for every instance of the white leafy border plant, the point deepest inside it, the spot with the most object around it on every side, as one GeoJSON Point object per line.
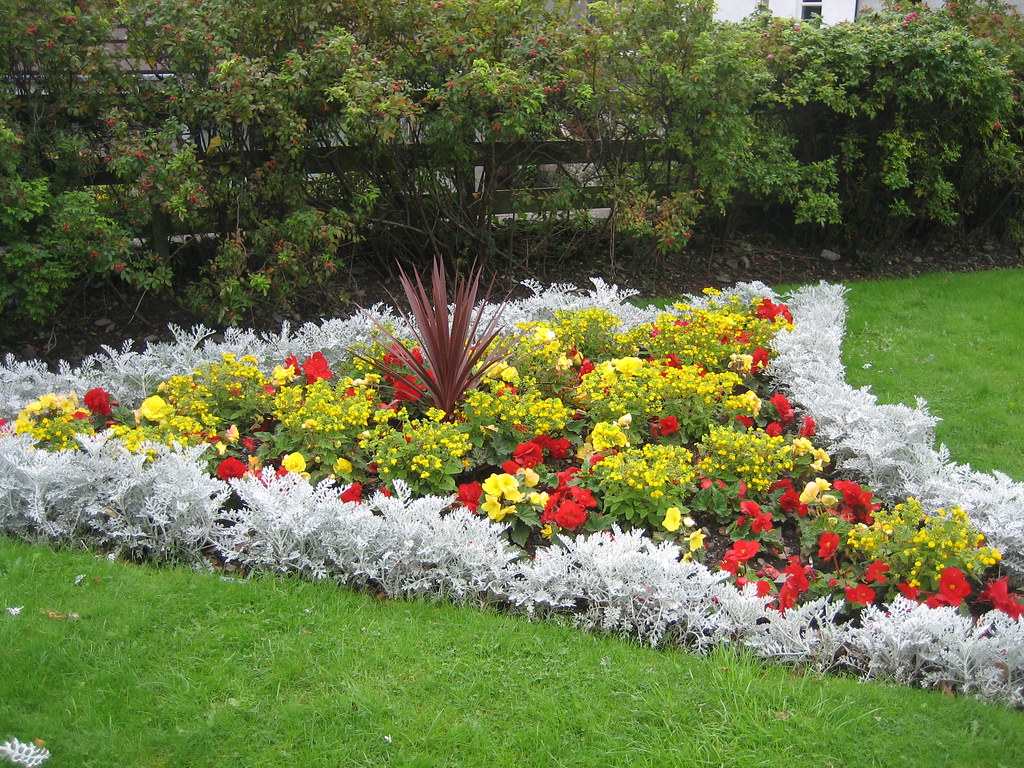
{"type": "Point", "coordinates": [171, 509]}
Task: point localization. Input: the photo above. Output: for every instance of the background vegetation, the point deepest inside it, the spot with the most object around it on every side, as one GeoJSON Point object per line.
{"type": "Point", "coordinates": [247, 160]}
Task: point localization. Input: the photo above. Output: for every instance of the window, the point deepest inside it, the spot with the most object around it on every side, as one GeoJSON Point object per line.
{"type": "Point", "coordinates": [810, 8]}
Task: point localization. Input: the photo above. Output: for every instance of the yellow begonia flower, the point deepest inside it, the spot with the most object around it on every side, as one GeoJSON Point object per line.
{"type": "Point", "coordinates": [294, 462]}
{"type": "Point", "coordinates": [563, 363]}
{"type": "Point", "coordinates": [501, 485]}
{"type": "Point", "coordinates": [628, 365]}
{"type": "Point", "coordinates": [540, 499]}
{"type": "Point", "coordinates": [155, 408]}
{"type": "Point", "coordinates": [696, 540]}
{"type": "Point", "coordinates": [494, 509]}
{"type": "Point", "coordinates": [812, 489]}
{"type": "Point", "coordinates": [625, 420]}
{"type": "Point", "coordinates": [802, 445]}
{"type": "Point", "coordinates": [829, 500]}
{"type": "Point", "coordinates": [741, 363]}
{"type": "Point", "coordinates": [231, 433]}
{"type": "Point", "coordinates": [547, 531]}
{"type": "Point", "coordinates": [530, 477]}
{"type": "Point", "coordinates": [673, 519]}
{"type": "Point", "coordinates": [282, 374]}
{"type": "Point", "coordinates": [342, 466]}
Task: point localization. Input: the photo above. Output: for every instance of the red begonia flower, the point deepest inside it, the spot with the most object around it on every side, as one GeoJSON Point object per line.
{"type": "Point", "coordinates": [828, 543]}
{"type": "Point", "coordinates": [876, 572]}
{"type": "Point", "coordinates": [231, 467]}
{"type": "Point", "coordinates": [783, 408]}
{"type": "Point", "coordinates": [953, 586]}
{"type": "Point", "coordinates": [469, 495]}
{"type": "Point", "coordinates": [570, 515]}
{"type": "Point", "coordinates": [861, 594]}
{"type": "Point", "coordinates": [98, 401]}
{"type": "Point", "coordinates": [528, 454]}
{"type": "Point", "coordinates": [353, 493]}
{"type": "Point", "coordinates": [316, 368]}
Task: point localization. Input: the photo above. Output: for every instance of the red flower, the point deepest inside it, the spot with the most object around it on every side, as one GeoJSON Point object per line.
{"type": "Point", "coordinates": [828, 543]}
{"type": "Point", "coordinates": [353, 493]}
{"type": "Point", "coordinates": [469, 495]}
{"type": "Point", "coordinates": [998, 593]}
{"type": "Point", "coordinates": [528, 454]}
{"type": "Point", "coordinates": [783, 408]}
{"type": "Point", "coordinates": [293, 362]}
{"type": "Point", "coordinates": [570, 515]}
{"type": "Point", "coordinates": [760, 521]}
{"type": "Point", "coordinates": [808, 428]}
{"type": "Point", "coordinates": [861, 594]}
{"type": "Point", "coordinates": [858, 504]}
{"type": "Point", "coordinates": [746, 421]}
{"type": "Point", "coordinates": [740, 552]}
{"type": "Point", "coordinates": [774, 429]}
{"type": "Point", "coordinates": [760, 361]}
{"type": "Point", "coordinates": [316, 368]}
{"type": "Point", "coordinates": [664, 427]}
{"type": "Point", "coordinates": [876, 572]}
{"type": "Point", "coordinates": [908, 591]}
{"type": "Point", "coordinates": [768, 310]}
{"type": "Point", "coordinates": [953, 586]}
{"type": "Point", "coordinates": [98, 401]}
{"type": "Point", "coordinates": [231, 467]}
{"type": "Point", "coordinates": [408, 388]}
{"type": "Point", "coordinates": [558, 447]}
{"type": "Point", "coordinates": [586, 367]}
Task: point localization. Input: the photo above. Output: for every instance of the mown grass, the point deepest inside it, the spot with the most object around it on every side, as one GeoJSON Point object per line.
{"type": "Point", "coordinates": [141, 666]}
{"type": "Point", "coordinates": [171, 668]}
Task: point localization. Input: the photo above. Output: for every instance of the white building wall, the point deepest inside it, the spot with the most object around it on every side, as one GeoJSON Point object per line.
{"type": "Point", "coordinates": [832, 11]}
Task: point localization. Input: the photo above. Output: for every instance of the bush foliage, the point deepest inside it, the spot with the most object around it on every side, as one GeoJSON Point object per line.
{"type": "Point", "coordinates": [254, 157]}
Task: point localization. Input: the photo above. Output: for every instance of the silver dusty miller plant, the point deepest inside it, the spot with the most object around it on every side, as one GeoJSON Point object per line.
{"type": "Point", "coordinates": [170, 508]}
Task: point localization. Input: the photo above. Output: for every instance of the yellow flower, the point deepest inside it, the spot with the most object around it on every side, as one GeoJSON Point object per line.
{"type": "Point", "coordinates": [813, 488]}
{"type": "Point", "coordinates": [283, 374]}
{"type": "Point", "coordinates": [342, 466]}
{"type": "Point", "coordinates": [509, 374]}
{"type": "Point", "coordinates": [829, 500]}
{"type": "Point", "coordinates": [231, 433]}
{"type": "Point", "coordinates": [547, 531]}
{"type": "Point", "coordinates": [294, 462]}
{"type": "Point", "coordinates": [628, 365]}
{"type": "Point", "coordinates": [494, 509]}
{"type": "Point", "coordinates": [530, 477]}
{"type": "Point", "coordinates": [539, 499]}
{"type": "Point", "coordinates": [673, 518]}
{"type": "Point", "coordinates": [155, 408]}
{"type": "Point", "coordinates": [501, 485]}
{"type": "Point", "coordinates": [696, 540]}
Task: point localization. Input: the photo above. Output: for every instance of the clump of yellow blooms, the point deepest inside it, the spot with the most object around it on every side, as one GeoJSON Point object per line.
{"type": "Point", "coordinates": [754, 456]}
{"type": "Point", "coordinates": [516, 416]}
{"type": "Point", "coordinates": [708, 336]}
{"type": "Point", "coordinates": [641, 484]}
{"type": "Point", "coordinates": [649, 389]}
{"type": "Point", "coordinates": [328, 412]}
{"type": "Point", "coordinates": [54, 420]}
{"type": "Point", "coordinates": [591, 331]}
{"type": "Point", "coordinates": [233, 391]}
{"type": "Point", "coordinates": [918, 545]}
{"type": "Point", "coordinates": [426, 453]}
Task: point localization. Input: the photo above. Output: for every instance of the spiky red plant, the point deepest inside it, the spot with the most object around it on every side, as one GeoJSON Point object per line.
{"type": "Point", "coordinates": [457, 348]}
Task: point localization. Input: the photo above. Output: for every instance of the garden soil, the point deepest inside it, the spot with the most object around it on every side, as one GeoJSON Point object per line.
{"type": "Point", "coordinates": [108, 315]}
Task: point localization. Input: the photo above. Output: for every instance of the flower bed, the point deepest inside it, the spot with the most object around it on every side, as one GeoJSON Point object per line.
{"type": "Point", "coordinates": [621, 448]}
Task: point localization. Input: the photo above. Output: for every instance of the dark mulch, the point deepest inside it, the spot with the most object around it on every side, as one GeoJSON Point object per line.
{"type": "Point", "coordinates": [107, 314]}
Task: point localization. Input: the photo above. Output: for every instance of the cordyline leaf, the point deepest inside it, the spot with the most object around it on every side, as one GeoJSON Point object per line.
{"type": "Point", "coordinates": [456, 350]}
